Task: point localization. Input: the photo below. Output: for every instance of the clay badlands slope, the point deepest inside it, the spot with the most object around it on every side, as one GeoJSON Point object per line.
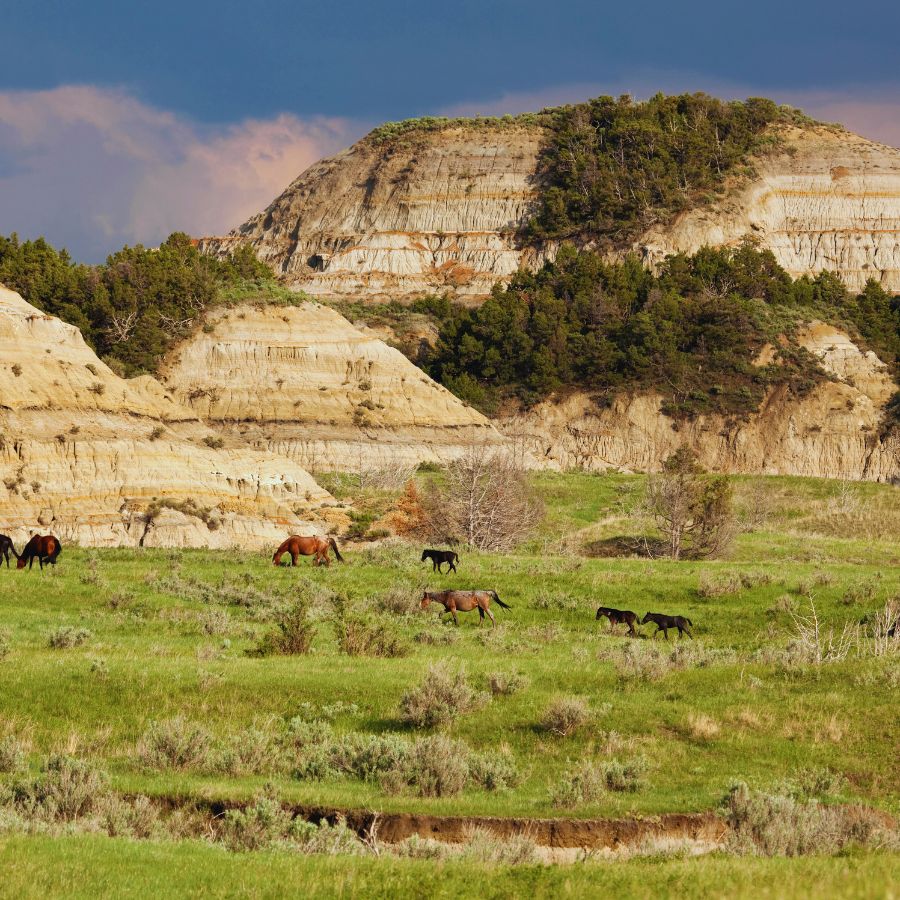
{"type": "Point", "coordinates": [303, 382]}
{"type": "Point", "coordinates": [438, 210]}
{"type": "Point", "coordinates": [83, 453]}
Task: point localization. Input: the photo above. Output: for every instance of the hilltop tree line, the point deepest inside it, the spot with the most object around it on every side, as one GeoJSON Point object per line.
{"type": "Point", "coordinates": [610, 168]}
{"type": "Point", "coordinates": [690, 332]}
{"type": "Point", "coordinates": [139, 303]}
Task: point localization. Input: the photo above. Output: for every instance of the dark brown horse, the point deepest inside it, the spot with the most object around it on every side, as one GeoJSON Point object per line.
{"type": "Point", "coordinates": [464, 601]}
{"type": "Point", "coordinates": [45, 547]}
{"type": "Point", "coordinates": [619, 617]}
{"type": "Point", "coordinates": [664, 623]}
{"type": "Point", "coordinates": [6, 546]}
{"type": "Point", "coordinates": [308, 546]}
{"type": "Point", "coordinates": [439, 557]}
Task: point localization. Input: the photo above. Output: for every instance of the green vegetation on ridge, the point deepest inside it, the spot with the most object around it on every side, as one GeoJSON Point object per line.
{"type": "Point", "coordinates": [689, 332]}
{"type": "Point", "coordinates": [140, 302]}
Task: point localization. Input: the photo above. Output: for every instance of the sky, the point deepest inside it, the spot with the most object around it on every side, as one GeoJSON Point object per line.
{"type": "Point", "coordinates": [123, 121]}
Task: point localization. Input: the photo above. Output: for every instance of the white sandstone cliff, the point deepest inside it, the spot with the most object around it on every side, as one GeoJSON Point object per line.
{"type": "Point", "coordinates": [84, 454]}
{"type": "Point", "coordinates": [301, 381]}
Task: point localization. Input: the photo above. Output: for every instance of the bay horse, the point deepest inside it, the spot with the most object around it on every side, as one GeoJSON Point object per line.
{"type": "Point", "coordinates": [464, 601]}
{"type": "Point", "coordinates": [6, 545]}
{"type": "Point", "coordinates": [308, 546]}
{"type": "Point", "coordinates": [618, 617]}
{"type": "Point", "coordinates": [664, 623]}
{"type": "Point", "coordinates": [45, 547]}
{"type": "Point", "coordinates": [439, 557]}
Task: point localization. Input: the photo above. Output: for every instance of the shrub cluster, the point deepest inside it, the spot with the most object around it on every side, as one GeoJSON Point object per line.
{"type": "Point", "coordinates": [690, 332]}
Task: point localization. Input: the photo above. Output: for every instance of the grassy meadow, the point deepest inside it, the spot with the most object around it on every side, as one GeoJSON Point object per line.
{"type": "Point", "coordinates": [152, 665]}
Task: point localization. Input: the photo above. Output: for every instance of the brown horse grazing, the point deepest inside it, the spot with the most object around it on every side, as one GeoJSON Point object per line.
{"type": "Point", "coordinates": [45, 547]}
{"type": "Point", "coordinates": [6, 545]}
{"type": "Point", "coordinates": [619, 617]}
{"type": "Point", "coordinates": [307, 546]}
{"type": "Point", "coordinates": [464, 601]}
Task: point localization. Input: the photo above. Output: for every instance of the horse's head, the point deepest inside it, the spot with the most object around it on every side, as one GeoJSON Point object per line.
{"type": "Point", "coordinates": [599, 613]}
{"type": "Point", "coordinates": [646, 619]}
{"type": "Point", "coordinates": [20, 562]}
{"type": "Point", "coordinates": [426, 600]}
{"type": "Point", "coordinates": [424, 556]}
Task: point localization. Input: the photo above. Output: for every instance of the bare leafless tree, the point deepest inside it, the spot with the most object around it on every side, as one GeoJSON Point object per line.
{"type": "Point", "coordinates": [485, 501]}
{"type": "Point", "coordinates": [693, 510]}
{"type": "Point", "coordinates": [120, 327]}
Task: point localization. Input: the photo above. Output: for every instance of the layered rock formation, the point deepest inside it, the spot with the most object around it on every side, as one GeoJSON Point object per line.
{"type": "Point", "coordinates": [832, 432]}
{"type": "Point", "coordinates": [437, 210]}
{"type": "Point", "coordinates": [426, 212]}
{"type": "Point", "coordinates": [100, 460]}
{"type": "Point", "coordinates": [301, 381]}
{"type": "Point", "coordinates": [829, 201]}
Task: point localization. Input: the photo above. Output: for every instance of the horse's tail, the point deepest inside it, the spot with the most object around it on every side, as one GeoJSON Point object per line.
{"type": "Point", "coordinates": [333, 544]}
{"type": "Point", "coordinates": [686, 619]}
{"type": "Point", "coordinates": [499, 602]}
{"type": "Point", "coordinates": [57, 551]}
{"type": "Point", "coordinates": [455, 557]}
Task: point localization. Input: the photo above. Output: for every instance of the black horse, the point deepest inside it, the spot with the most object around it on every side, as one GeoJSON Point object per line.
{"type": "Point", "coordinates": [439, 557]}
{"type": "Point", "coordinates": [6, 545]}
{"type": "Point", "coordinates": [664, 623]}
{"type": "Point", "coordinates": [619, 617]}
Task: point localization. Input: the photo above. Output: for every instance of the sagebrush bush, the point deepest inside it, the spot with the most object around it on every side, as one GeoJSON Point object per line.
{"type": "Point", "coordinates": [175, 744]}
{"type": "Point", "coordinates": [627, 775]}
{"type": "Point", "coordinates": [5, 644]}
{"type": "Point", "coordinates": [12, 754]}
{"type": "Point", "coordinates": [722, 584]}
{"type": "Point", "coordinates": [368, 757]}
{"type": "Point", "coordinates": [135, 817]}
{"type": "Point", "coordinates": [437, 637]}
{"type": "Point", "coordinates": [565, 715]}
{"type": "Point", "coordinates": [440, 698]}
{"type": "Point", "coordinates": [774, 825]}
{"type": "Point", "coordinates": [67, 636]}
{"type": "Point", "coordinates": [359, 637]}
{"type": "Point", "coordinates": [641, 663]}
{"type": "Point", "coordinates": [495, 771]}
{"type": "Point", "coordinates": [250, 752]}
{"type": "Point", "coordinates": [579, 786]}
{"type": "Point", "coordinates": [67, 788]}
{"type": "Point", "coordinates": [506, 683]}
{"type": "Point", "coordinates": [261, 825]}
{"type": "Point", "coordinates": [399, 600]}
{"type": "Point", "coordinates": [436, 766]}
{"type": "Point", "coordinates": [292, 636]}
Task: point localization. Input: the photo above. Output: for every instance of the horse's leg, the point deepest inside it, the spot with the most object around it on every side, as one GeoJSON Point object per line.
{"type": "Point", "coordinates": [434, 566]}
{"type": "Point", "coordinates": [452, 567]}
{"type": "Point", "coordinates": [666, 633]}
{"type": "Point", "coordinates": [488, 611]}
{"type": "Point", "coordinates": [455, 617]}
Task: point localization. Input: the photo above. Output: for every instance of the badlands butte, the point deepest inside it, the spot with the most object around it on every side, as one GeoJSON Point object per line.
{"type": "Point", "coordinates": [221, 443]}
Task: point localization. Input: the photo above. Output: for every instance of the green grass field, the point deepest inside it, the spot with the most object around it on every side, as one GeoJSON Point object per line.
{"type": "Point", "coordinates": [169, 633]}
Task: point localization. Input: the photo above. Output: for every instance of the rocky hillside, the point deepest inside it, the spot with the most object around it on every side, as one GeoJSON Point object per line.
{"type": "Point", "coordinates": [430, 211]}
{"type": "Point", "coordinates": [441, 209]}
{"type": "Point", "coordinates": [301, 381]}
{"type": "Point", "coordinates": [832, 432]}
{"type": "Point", "coordinates": [102, 460]}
